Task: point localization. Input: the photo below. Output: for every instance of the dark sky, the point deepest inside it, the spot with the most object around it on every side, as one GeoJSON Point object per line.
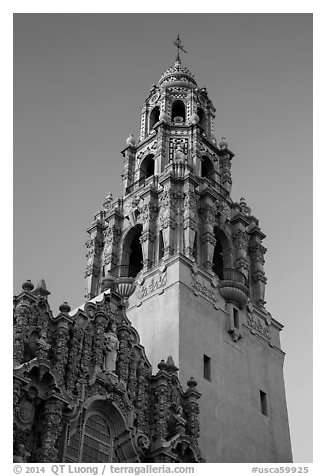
{"type": "Point", "coordinates": [79, 83]}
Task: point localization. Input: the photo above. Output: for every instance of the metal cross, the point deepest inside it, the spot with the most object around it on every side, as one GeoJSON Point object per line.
{"type": "Point", "coordinates": [179, 45]}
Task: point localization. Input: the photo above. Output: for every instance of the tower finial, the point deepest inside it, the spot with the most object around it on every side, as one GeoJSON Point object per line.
{"type": "Point", "coordinates": [179, 45]}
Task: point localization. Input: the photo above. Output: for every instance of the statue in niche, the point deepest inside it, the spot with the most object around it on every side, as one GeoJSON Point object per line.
{"type": "Point", "coordinates": [110, 349]}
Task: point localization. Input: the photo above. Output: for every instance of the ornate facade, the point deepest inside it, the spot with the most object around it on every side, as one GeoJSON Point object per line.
{"type": "Point", "coordinates": [84, 389]}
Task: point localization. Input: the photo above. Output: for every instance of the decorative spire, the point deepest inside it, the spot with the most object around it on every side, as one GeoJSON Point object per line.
{"type": "Point", "coordinates": [179, 45]}
{"type": "Point", "coordinates": [41, 289]}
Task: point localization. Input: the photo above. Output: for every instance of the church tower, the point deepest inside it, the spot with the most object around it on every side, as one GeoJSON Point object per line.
{"type": "Point", "coordinates": [189, 262]}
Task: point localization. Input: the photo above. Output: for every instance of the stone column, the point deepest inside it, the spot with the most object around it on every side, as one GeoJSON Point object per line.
{"type": "Point", "coordinates": [189, 221]}
{"type": "Point", "coordinates": [99, 328]}
{"type": "Point", "coordinates": [129, 155]}
{"type": "Point", "coordinates": [94, 245]}
{"type": "Point", "coordinates": [225, 165]}
{"type": "Point", "coordinates": [51, 430]}
{"type": "Point", "coordinates": [142, 396]}
{"type": "Point", "coordinates": [240, 240]}
{"type": "Point", "coordinates": [147, 240]}
{"type": "Point", "coordinates": [208, 238]}
{"type": "Point", "coordinates": [123, 353]}
{"type": "Point", "coordinates": [191, 408]}
{"type": "Point", "coordinates": [22, 315]}
{"type": "Point", "coordinates": [160, 394]}
{"type": "Point", "coordinates": [61, 345]}
{"type": "Point", "coordinates": [167, 220]}
{"type": "Point", "coordinates": [258, 278]}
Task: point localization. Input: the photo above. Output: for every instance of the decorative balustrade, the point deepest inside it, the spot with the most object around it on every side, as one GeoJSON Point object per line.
{"type": "Point", "coordinates": [124, 271]}
{"type": "Point", "coordinates": [230, 274]}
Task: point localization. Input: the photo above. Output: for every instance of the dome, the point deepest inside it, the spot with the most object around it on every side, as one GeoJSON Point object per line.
{"type": "Point", "coordinates": [177, 75]}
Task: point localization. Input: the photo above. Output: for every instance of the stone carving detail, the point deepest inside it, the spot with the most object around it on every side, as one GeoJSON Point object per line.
{"type": "Point", "coordinates": [151, 149]}
{"type": "Point", "coordinates": [203, 287]}
{"type": "Point", "coordinates": [257, 252]}
{"type": "Point", "coordinates": [26, 411]}
{"type": "Point", "coordinates": [61, 349]}
{"type": "Point", "coordinates": [54, 388]}
{"type": "Point", "coordinates": [240, 239]}
{"type": "Point", "coordinates": [257, 324]}
{"type": "Point", "coordinates": [123, 355]}
{"type": "Point", "coordinates": [152, 284]}
{"type": "Point", "coordinates": [51, 430]}
{"type": "Point", "coordinates": [174, 143]}
{"type": "Point", "coordinates": [111, 346]}
{"type": "Point", "coordinates": [93, 247]}
{"type": "Point", "coordinates": [22, 316]}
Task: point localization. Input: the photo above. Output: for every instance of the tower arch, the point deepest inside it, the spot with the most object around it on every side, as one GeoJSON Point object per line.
{"type": "Point", "coordinates": [202, 118]}
{"type": "Point", "coordinates": [154, 117]}
{"type": "Point", "coordinates": [132, 254]}
{"type": "Point", "coordinates": [178, 110]}
{"type": "Point", "coordinates": [91, 437]}
{"type": "Point", "coordinates": [207, 167]}
{"type": "Point", "coordinates": [222, 257]}
{"type": "Point", "coordinates": [147, 167]}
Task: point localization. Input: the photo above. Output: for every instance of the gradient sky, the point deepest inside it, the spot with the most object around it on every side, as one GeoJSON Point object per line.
{"type": "Point", "coordinates": [79, 83]}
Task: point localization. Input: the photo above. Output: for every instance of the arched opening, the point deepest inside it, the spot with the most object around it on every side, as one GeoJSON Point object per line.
{"type": "Point", "coordinates": [147, 167]}
{"type": "Point", "coordinates": [218, 264]}
{"type": "Point", "coordinates": [221, 255]}
{"type": "Point", "coordinates": [160, 246]}
{"type": "Point", "coordinates": [178, 110]}
{"type": "Point", "coordinates": [136, 257]}
{"type": "Point", "coordinates": [132, 254]}
{"type": "Point", "coordinates": [92, 441]}
{"type": "Point", "coordinates": [97, 442]}
{"type": "Point", "coordinates": [207, 167]}
{"type": "Point", "coordinates": [202, 118]}
{"type": "Point", "coordinates": [154, 117]}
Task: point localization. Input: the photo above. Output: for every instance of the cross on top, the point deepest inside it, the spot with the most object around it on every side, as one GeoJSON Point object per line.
{"type": "Point", "coordinates": [179, 45]}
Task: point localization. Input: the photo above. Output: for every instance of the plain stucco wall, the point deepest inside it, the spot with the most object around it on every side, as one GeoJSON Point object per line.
{"type": "Point", "coordinates": [187, 326]}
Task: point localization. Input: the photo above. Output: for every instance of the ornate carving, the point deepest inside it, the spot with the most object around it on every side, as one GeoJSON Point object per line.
{"type": "Point", "coordinates": [160, 411]}
{"type": "Point", "coordinates": [61, 349]}
{"type": "Point", "coordinates": [147, 236]}
{"type": "Point", "coordinates": [256, 323]}
{"type": "Point", "coordinates": [259, 276]}
{"type": "Point", "coordinates": [207, 213]}
{"type": "Point", "coordinates": [26, 411]}
{"type": "Point", "coordinates": [152, 284]}
{"type": "Point", "coordinates": [51, 430]}
{"type": "Point", "coordinates": [79, 366]}
{"type": "Point", "coordinates": [240, 239]}
{"type": "Point", "coordinates": [192, 427]}
{"type": "Point", "coordinates": [22, 315]}
{"type": "Point", "coordinates": [201, 286]}
{"type": "Point", "coordinates": [86, 357]}
{"type": "Point", "coordinates": [208, 238]}
{"type": "Point", "coordinates": [110, 348]}
{"type": "Point", "coordinates": [93, 247]}
{"type": "Point", "coordinates": [123, 354]}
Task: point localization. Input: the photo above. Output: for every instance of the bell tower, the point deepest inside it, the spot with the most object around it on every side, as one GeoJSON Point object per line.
{"type": "Point", "coordinates": [189, 262]}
